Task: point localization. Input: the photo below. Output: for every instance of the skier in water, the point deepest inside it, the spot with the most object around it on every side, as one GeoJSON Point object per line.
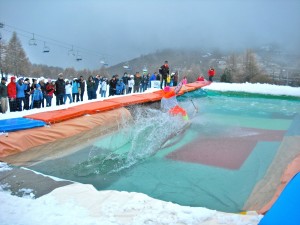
{"type": "Point", "coordinates": [169, 102]}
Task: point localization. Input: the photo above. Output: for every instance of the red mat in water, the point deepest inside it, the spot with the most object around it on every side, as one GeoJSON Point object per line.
{"type": "Point", "coordinates": [226, 152]}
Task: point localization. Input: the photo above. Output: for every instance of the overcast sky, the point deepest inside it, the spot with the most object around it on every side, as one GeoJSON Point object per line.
{"type": "Point", "coordinates": [118, 30]}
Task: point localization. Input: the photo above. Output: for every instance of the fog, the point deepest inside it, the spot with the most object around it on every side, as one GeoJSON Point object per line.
{"type": "Point", "coordinates": [117, 30]}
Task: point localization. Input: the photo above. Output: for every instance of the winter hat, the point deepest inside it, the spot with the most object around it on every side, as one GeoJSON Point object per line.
{"type": "Point", "coordinates": [49, 80]}
{"type": "Point", "coordinates": [26, 79]}
{"type": "Point", "coordinates": [21, 78]}
{"type": "Point", "coordinates": [3, 78]}
{"type": "Point", "coordinates": [167, 89]}
{"type": "Point", "coordinates": [42, 79]}
{"type": "Point", "coordinates": [37, 86]}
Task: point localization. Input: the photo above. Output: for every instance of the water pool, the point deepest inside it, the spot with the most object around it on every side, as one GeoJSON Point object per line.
{"type": "Point", "coordinates": [215, 163]}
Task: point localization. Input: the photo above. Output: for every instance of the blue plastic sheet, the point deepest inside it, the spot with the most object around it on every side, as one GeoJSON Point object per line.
{"type": "Point", "coordinates": [287, 207]}
{"type": "Point", "coordinates": [15, 124]}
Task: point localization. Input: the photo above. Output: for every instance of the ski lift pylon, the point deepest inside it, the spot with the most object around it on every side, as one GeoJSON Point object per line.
{"type": "Point", "coordinates": [46, 49]}
{"type": "Point", "coordinates": [32, 41]}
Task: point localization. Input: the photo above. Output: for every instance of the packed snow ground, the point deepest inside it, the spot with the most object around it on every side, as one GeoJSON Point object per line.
{"type": "Point", "coordinates": [82, 204]}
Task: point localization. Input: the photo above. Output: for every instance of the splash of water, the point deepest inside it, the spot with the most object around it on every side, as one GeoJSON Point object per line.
{"type": "Point", "coordinates": [140, 140]}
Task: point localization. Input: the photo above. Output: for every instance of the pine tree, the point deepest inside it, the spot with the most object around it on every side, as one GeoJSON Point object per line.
{"type": "Point", "coordinates": [15, 61]}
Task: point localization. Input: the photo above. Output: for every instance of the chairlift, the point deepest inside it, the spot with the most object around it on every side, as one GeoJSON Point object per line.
{"type": "Point", "coordinates": [78, 57]}
{"type": "Point", "coordinates": [126, 66]}
{"type": "Point", "coordinates": [71, 52]}
{"type": "Point", "coordinates": [103, 62]}
{"type": "Point", "coordinates": [46, 49]}
{"type": "Point", "coordinates": [32, 41]}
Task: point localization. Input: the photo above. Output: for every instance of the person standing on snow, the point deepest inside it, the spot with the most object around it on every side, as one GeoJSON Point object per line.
{"type": "Point", "coordinates": [68, 92]}
{"type": "Point", "coordinates": [3, 96]}
{"type": "Point", "coordinates": [21, 88]}
{"type": "Point", "coordinates": [12, 94]}
{"type": "Point", "coordinates": [130, 84]}
{"type": "Point", "coordinates": [60, 89]}
{"type": "Point", "coordinates": [164, 71]}
{"type": "Point", "coordinates": [211, 73]}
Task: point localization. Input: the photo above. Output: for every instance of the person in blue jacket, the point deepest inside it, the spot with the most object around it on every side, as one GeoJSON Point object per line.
{"type": "Point", "coordinates": [120, 87]}
{"type": "Point", "coordinates": [37, 96]}
{"type": "Point", "coordinates": [21, 88]}
{"type": "Point", "coordinates": [75, 92]}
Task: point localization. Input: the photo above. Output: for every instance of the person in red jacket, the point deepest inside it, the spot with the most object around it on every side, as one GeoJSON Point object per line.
{"type": "Point", "coordinates": [211, 72]}
{"type": "Point", "coordinates": [12, 94]}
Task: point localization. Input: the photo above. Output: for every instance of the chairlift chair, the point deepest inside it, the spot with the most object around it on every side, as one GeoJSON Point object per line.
{"type": "Point", "coordinates": [32, 41]}
{"type": "Point", "coordinates": [78, 57]}
{"type": "Point", "coordinates": [46, 49]}
{"type": "Point", "coordinates": [71, 51]}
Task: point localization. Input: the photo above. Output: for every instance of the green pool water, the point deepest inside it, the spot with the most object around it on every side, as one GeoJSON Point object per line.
{"type": "Point", "coordinates": [135, 158]}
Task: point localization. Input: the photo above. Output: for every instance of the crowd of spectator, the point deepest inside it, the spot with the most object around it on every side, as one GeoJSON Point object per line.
{"type": "Point", "coordinates": [25, 94]}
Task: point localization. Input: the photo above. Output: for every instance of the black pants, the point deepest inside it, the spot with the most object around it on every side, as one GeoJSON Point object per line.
{"type": "Point", "coordinates": [19, 103]}
{"type": "Point", "coordinates": [75, 95]}
{"type": "Point", "coordinates": [81, 95]}
{"type": "Point", "coordinates": [26, 103]}
{"type": "Point", "coordinates": [12, 105]}
{"type": "Point", "coordinates": [164, 78]}
{"type": "Point", "coordinates": [210, 78]}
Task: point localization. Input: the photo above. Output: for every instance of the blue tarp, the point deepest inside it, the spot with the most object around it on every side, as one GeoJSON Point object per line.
{"type": "Point", "coordinates": [285, 211]}
{"type": "Point", "coordinates": [15, 124]}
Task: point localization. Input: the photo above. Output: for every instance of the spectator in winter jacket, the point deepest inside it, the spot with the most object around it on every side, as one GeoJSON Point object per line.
{"type": "Point", "coordinates": [43, 89]}
{"type": "Point", "coordinates": [137, 82]}
{"type": "Point", "coordinates": [90, 83]}
{"type": "Point", "coordinates": [21, 88]}
{"type": "Point", "coordinates": [81, 88]}
{"type": "Point", "coordinates": [75, 88]}
{"type": "Point", "coordinates": [68, 92]}
{"type": "Point", "coordinates": [175, 79]}
{"type": "Point", "coordinates": [50, 88]}
{"type": "Point", "coordinates": [130, 84]}
{"type": "Point", "coordinates": [164, 71]}
{"type": "Point", "coordinates": [211, 73]}
{"type": "Point", "coordinates": [125, 79]}
{"type": "Point", "coordinates": [60, 89]}
{"type": "Point", "coordinates": [112, 86]}
{"type": "Point", "coordinates": [12, 94]}
{"type": "Point", "coordinates": [27, 94]}
{"type": "Point", "coordinates": [120, 87]}
{"type": "Point", "coordinates": [37, 97]}
{"type": "Point", "coordinates": [96, 85]}
{"type": "Point", "coordinates": [3, 96]}
{"type": "Point", "coordinates": [103, 87]}
{"type": "Point", "coordinates": [145, 81]}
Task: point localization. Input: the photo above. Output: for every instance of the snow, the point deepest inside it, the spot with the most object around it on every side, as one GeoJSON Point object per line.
{"type": "Point", "coordinates": [82, 204]}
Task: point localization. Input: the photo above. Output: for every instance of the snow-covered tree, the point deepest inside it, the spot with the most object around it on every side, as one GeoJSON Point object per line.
{"type": "Point", "coordinates": [15, 61]}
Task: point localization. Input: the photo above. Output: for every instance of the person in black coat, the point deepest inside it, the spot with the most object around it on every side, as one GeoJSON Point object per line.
{"type": "Point", "coordinates": [164, 71]}
{"type": "Point", "coordinates": [60, 89]}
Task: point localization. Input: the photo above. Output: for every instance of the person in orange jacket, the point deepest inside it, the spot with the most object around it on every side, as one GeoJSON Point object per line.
{"type": "Point", "coordinates": [12, 94]}
{"type": "Point", "coordinates": [169, 103]}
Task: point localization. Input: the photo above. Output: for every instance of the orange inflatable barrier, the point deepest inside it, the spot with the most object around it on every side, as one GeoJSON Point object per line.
{"type": "Point", "coordinates": [57, 116]}
{"type": "Point", "coordinates": [198, 84]}
{"type": "Point", "coordinates": [61, 115]}
{"type": "Point", "coordinates": [128, 100]}
{"type": "Point", "coordinates": [96, 107]}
